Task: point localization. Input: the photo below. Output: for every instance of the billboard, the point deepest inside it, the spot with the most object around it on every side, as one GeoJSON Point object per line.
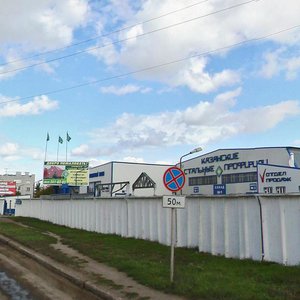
{"type": "Point", "coordinates": [274, 179]}
{"type": "Point", "coordinates": [72, 173]}
{"type": "Point", "coordinates": [8, 188]}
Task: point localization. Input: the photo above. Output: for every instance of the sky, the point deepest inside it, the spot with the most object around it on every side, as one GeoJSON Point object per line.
{"type": "Point", "coordinates": [145, 80]}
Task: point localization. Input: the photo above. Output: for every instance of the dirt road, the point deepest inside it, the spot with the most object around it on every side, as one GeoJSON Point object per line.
{"type": "Point", "coordinates": [42, 283]}
{"type": "Point", "coordinates": [34, 269]}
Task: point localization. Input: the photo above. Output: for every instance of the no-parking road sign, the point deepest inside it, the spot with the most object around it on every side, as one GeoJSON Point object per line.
{"type": "Point", "coordinates": [174, 179]}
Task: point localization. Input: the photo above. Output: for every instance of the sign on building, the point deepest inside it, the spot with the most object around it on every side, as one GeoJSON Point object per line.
{"type": "Point", "coordinates": [219, 189]}
{"type": "Point", "coordinates": [274, 179]}
{"type": "Point", "coordinates": [8, 188]}
{"type": "Point", "coordinates": [71, 173]}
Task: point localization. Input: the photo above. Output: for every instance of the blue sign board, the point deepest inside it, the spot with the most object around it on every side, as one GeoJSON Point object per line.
{"type": "Point", "coordinates": [219, 189]}
{"type": "Point", "coordinates": [196, 190]}
{"type": "Point", "coordinates": [253, 187]}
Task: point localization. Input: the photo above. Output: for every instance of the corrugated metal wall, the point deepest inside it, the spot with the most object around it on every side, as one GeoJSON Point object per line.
{"type": "Point", "coordinates": [229, 225]}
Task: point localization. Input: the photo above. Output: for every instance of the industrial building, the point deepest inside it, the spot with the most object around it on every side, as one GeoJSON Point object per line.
{"type": "Point", "coordinates": [24, 182]}
{"type": "Point", "coordinates": [235, 171]}
{"type": "Point", "coordinates": [125, 178]}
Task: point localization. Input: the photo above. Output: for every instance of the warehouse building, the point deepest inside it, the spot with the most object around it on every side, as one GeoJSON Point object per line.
{"type": "Point", "coordinates": [125, 179]}
{"type": "Point", "coordinates": [235, 171]}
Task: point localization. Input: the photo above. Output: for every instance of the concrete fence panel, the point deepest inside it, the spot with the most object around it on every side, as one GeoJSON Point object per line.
{"type": "Point", "coordinates": [255, 227]}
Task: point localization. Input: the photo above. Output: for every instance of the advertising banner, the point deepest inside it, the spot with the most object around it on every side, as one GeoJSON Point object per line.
{"type": "Point", "coordinates": [274, 179]}
{"type": "Point", "coordinates": [8, 188]}
{"type": "Point", "coordinates": [71, 173]}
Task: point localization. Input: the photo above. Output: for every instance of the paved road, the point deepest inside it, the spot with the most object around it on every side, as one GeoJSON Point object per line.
{"type": "Point", "coordinates": [42, 283]}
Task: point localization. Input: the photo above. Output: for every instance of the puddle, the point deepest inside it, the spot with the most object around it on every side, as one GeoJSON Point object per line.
{"type": "Point", "coordinates": [12, 289]}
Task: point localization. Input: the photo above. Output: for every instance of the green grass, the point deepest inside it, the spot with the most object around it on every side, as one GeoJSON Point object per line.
{"type": "Point", "coordinates": [197, 275]}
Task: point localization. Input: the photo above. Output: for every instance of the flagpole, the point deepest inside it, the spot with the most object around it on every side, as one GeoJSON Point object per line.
{"type": "Point", "coordinates": [47, 139]}
{"type": "Point", "coordinates": [68, 139]}
{"type": "Point", "coordinates": [57, 149]}
{"type": "Point", "coordinates": [67, 146]}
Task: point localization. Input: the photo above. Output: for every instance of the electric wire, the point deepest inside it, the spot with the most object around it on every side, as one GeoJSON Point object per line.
{"type": "Point", "coordinates": [103, 35]}
{"type": "Point", "coordinates": [153, 67]}
{"type": "Point", "coordinates": [127, 39]}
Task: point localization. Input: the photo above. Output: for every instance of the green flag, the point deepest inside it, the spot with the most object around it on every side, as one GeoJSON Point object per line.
{"type": "Point", "coordinates": [68, 137]}
{"type": "Point", "coordinates": [60, 140]}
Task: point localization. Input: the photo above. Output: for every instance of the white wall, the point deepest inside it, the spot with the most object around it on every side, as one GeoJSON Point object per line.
{"type": "Point", "coordinates": [1, 206]}
{"type": "Point", "coordinates": [228, 225]}
{"type": "Point", "coordinates": [124, 171]}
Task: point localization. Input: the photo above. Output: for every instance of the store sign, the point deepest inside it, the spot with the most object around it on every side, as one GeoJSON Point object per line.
{"type": "Point", "coordinates": [222, 157]}
{"type": "Point", "coordinates": [71, 173]}
{"type": "Point", "coordinates": [228, 162]}
{"type": "Point", "coordinates": [245, 164]}
{"type": "Point", "coordinates": [278, 179]}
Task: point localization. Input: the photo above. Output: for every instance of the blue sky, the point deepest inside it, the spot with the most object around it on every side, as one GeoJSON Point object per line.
{"type": "Point", "coordinates": [246, 95]}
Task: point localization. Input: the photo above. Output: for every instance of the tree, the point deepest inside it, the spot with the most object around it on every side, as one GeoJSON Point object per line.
{"type": "Point", "coordinates": [48, 190]}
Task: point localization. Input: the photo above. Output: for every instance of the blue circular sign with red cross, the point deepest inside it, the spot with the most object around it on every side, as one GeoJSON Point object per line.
{"type": "Point", "coordinates": [174, 179]}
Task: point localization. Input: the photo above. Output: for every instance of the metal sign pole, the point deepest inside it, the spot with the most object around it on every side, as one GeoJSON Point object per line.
{"type": "Point", "coordinates": [172, 244]}
{"type": "Point", "coordinates": [174, 180]}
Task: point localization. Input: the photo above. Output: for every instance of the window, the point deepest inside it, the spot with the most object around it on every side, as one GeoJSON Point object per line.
{"type": "Point", "coordinates": [97, 174]}
{"type": "Point", "coordinates": [239, 177]}
{"type": "Point", "coordinates": [203, 180]}
{"type": "Point", "coordinates": [28, 189]}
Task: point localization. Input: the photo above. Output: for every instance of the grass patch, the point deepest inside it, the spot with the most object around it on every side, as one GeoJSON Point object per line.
{"type": "Point", "coordinates": [38, 240]}
{"type": "Point", "coordinates": [197, 275]}
{"type": "Point", "coordinates": [104, 281]}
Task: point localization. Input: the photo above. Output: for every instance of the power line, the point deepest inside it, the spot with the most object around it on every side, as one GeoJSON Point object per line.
{"type": "Point", "coordinates": [129, 38]}
{"type": "Point", "coordinates": [155, 66]}
{"type": "Point", "coordinates": [103, 35]}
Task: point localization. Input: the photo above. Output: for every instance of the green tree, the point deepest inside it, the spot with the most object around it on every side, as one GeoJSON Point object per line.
{"type": "Point", "coordinates": [48, 190]}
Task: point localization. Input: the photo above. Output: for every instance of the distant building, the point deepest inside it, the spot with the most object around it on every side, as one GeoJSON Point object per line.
{"type": "Point", "coordinates": [24, 182]}
{"type": "Point", "coordinates": [235, 171]}
{"type": "Point", "coordinates": [125, 178]}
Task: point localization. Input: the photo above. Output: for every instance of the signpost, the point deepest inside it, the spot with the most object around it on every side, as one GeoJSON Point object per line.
{"type": "Point", "coordinates": [174, 180]}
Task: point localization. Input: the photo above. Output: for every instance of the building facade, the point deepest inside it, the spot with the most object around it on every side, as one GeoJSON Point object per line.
{"type": "Point", "coordinates": [24, 182]}
{"type": "Point", "coordinates": [233, 171]}
{"type": "Point", "coordinates": [125, 178]}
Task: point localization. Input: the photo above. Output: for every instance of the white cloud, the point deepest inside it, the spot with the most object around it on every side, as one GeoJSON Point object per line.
{"type": "Point", "coordinates": [280, 61]}
{"type": "Point", "coordinates": [105, 51]}
{"type": "Point", "coordinates": [12, 62]}
{"type": "Point", "coordinates": [124, 90]}
{"type": "Point", "coordinates": [38, 105]}
{"type": "Point", "coordinates": [10, 152]}
{"type": "Point", "coordinates": [133, 159]}
{"type": "Point", "coordinates": [45, 24]}
{"type": "Point", "coordinates": [205, 34]}
{"type": "Point", "coordinates": [204, 123]}
{"type": "Point", "coordinates": [9, 149]}
{"type": "Point", "coordinates": [199, 80]}
{"type": "Point", "coordinates": [296, 143]}
{"type": "Point", "coordinates": [81, 150]}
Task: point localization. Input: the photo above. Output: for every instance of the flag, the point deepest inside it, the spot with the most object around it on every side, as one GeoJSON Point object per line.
{"type": "Point", "coordinates": [68, 137]}
{"type": "Point", "coordinates": [48, 137]}
{"type": "Point", "coordinates": [60, 140]}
